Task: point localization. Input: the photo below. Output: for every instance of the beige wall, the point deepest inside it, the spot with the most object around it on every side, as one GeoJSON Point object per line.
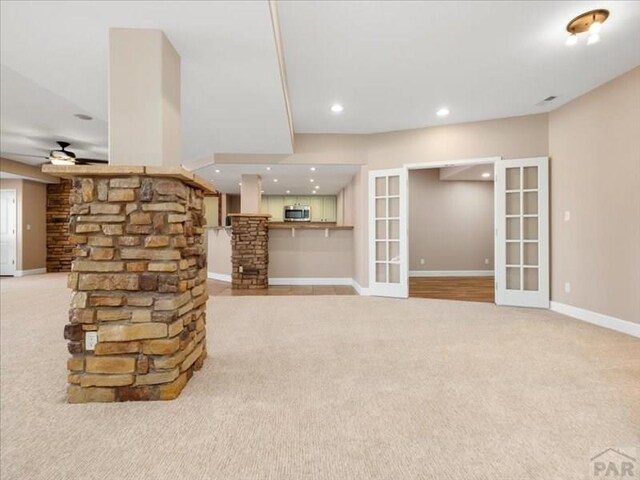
{"type": "Point", "coordinates": [310, 254]}
{"type": "Point", "coordinates": [594, 145]}
{"type": "Point", "coordinates": [219, 250]}
{"type": "Point", "coordinates": [450, 223]}
{"type": "Point", "coordinates": [144, 98]}
{"type": "Point", "coordinates": [250, 194]}
{"type": "Point", "coordinates": [31, 235]}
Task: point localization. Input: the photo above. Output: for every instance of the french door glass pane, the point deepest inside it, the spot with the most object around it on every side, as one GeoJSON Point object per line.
{"type": "Point", "coordinates": [513, 203]}
{"type": "Point", "coordinates": [531, 279]}
{"type": "Point", "coordinates": [513, 278]}
{"type": "Point", "coordinates": [394, 229]}
{"type": "Point", "coordinates": [381, 208]}
{"type": "Point", "coordinates": [530, 178]}
{"type": "Point", "coordinates": [513, 229]}
{"type": "Point", "coordinates": [394, 251]}
{"type": "Point", "coordinates": [531, 228]}
{"type": "Point", "coordinates": [394, 207]}
{"type": "Point", "coordinates": [530, 203]}
{"type": "Point", "coordinates": [381, 251]}
{"type": "Point", "coordinates": [394, 273]}
{"type": "Point", "coordinates": [381, 272]}
{"type": "Point", "coordinates": [531, 253]}
{"type": "Point", "coordinates": [513, 178]}
{"type": "Point", "coordinates": [381, 186]}
{"type": "Point", "coordinates": [513, 253]}
{"type": "Point", "coordinates": [381, 229]}
{"type": "Point", "coordinates": [394, 185]}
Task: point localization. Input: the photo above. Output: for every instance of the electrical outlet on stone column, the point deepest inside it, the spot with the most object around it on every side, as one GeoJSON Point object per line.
{"type": "Point", "coordinates": [240, 269]}
{"type": "Point", "coordinates": [90, 340]}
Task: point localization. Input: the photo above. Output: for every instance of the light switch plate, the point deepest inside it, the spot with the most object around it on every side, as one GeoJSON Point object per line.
{"type": "Point", "coordinates": [90, 340]}
{"type": "Point", "coordinates": [567, 215]}
{"type": "Point", "coordinates": [567, 287]}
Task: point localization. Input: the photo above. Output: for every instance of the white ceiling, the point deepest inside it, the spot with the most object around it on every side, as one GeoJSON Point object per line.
{"type": "Point", "coordinates": [394, 64]}
{"type": "Point", "coordinates": [295, 178]}
{"type": "Point", "coordinates": [54, 57]}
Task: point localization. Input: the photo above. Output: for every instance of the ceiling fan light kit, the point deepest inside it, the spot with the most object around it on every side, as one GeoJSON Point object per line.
{"type": "Point", "coordinates": [590, 22]}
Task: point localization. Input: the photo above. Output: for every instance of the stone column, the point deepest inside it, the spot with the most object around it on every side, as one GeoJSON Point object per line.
{"type": "Point", "coordinates": [249, 251]}
{"type": "Point", "coordinates": [139, 282]}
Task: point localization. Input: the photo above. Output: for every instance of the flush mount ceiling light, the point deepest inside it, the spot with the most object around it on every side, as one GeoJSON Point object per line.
{"type": "Point", "coordinates": [337, 108]}
{"type": "Point", "coordinates": [443, 112]}
{"type": "Point", "coordinates": [587, 22]}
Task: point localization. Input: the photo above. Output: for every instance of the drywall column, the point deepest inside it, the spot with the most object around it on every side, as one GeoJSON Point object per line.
{"type": "Point", "coordinates": [250, 194]}
{"type": "Point", "coordinates": [144, 98]}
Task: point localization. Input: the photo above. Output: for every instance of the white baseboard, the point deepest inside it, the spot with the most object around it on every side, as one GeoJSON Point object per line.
{"type": "Point", "coordinates": [451, 273]}
{"type": "Point", "coordinates": [223, 277]}
{"type": "Point", "coordinates": [310, 281]}
{"type": "Point", "coordinates": [362, 291]}
{"type": "Point", "coordinates": [35, 271]}
{"type": "Point", "coordinates": [606, 321]}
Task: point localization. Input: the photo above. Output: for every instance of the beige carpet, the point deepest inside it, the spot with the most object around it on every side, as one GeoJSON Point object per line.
{"type": "Point", "coordinates": [329, 388]}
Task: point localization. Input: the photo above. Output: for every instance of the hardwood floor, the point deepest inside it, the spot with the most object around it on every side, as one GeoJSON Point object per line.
{"type": "Point", "coordinates": [470, 289]}
{"type": "Point", "coordinates": [223, 289]}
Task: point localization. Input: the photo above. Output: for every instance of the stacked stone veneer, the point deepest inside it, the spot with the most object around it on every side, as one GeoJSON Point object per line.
{"type": "Point", "coordinates": [59, 249]}
{"type": "Point", "coordinates": [249, 251]}
{"type": "Point", "coordinates": [139, 280]}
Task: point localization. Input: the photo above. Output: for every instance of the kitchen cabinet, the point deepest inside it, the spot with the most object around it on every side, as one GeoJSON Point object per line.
{"type": "Point", "coordinates": [323, 207]}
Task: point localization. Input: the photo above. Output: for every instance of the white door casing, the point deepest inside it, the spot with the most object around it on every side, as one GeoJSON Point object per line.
{"type": "Point", "coordinates": [522, 232]}
{"type": "Point", "coordinates": [8, 229]}
{"type": "Point", "coordinates": [388, 214]}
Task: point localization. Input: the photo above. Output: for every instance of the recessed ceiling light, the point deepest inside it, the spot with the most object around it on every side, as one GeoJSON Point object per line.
{"type": "Point", "coordinates": [311, 180]}
{"type": "Point", "coordinates": [239, 184]}
{"type": "Point", "coordinates": [486, 175]}
{"type": "Point", "coordinates": [82, 116]}
{"type": "Point", "coordinates": [337, 108]}
{"type": "Point", "coordinates": [313, 191]}
{"type": "Point", "coordinates": [261, 191]}
{"type": "Point", "coordinates": [217, 170]}
{"type": "Point", "coordinates": [313, 169]}
{"type": "Point", "coordinates": [317, 187]}
{"type": "Point", "coordinates": [443, 112]}
{"type": "Point", "coordinates": [288, 191]}
{"type": "Point", "coordinates": [268, 168]}
{"type": "Point", "coordinates": [275, 180]}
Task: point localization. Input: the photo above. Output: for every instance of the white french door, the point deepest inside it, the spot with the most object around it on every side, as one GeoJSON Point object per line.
{"type": "Point", "coordinates": [388, 269]}
{"type": "Point", "coordinates": [522, 232]}
{"type": "Point", "coordinates": [7, 232]}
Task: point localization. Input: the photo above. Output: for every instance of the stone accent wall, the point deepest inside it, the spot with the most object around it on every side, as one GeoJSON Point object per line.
{"type": "Point", "coordinates": [139, 281]}
{"type": "Point", "coordinates": [59, 249]}
{"type": "Point", "coordinates": [249, 251]}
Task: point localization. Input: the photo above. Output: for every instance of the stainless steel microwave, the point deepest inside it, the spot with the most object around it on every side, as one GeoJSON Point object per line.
{"type": "Point", "coordinates": [297, 213]}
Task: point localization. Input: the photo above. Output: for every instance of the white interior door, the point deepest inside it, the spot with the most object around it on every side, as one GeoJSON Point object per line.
{"type": "Point", "coordinates": [388, 269]}
{"type": "Point", "coordinates": [522, 233]}
{"type": "Point", "coordinates": [7, 232]}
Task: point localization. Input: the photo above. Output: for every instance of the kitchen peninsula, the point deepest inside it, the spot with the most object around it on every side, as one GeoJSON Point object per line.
{"type": "Point", "coordinates": [300, 252]}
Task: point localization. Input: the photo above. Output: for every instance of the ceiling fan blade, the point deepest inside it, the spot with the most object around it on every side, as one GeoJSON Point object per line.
{"type": "Point", "coordinates": [85, 161]}
{"type": "Point", "coordinates": [21, 155]}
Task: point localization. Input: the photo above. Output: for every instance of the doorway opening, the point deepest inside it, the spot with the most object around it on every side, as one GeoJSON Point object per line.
{"type": "Point", "coordinates": [452, 232]}
{"type": "Point", "coordinates": [8, 232]}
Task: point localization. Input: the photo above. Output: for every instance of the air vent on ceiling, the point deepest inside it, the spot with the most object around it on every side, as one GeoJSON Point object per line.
{"type": "Point", "coordinates": [547, 100]}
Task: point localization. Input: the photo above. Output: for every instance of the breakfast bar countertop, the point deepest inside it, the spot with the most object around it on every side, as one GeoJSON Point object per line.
{"type": "Point", "coordinates": [308, 226]}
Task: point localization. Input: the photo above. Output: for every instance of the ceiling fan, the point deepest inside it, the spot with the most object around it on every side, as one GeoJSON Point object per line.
{"type": "Point", "coordinates": [62, 156]}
